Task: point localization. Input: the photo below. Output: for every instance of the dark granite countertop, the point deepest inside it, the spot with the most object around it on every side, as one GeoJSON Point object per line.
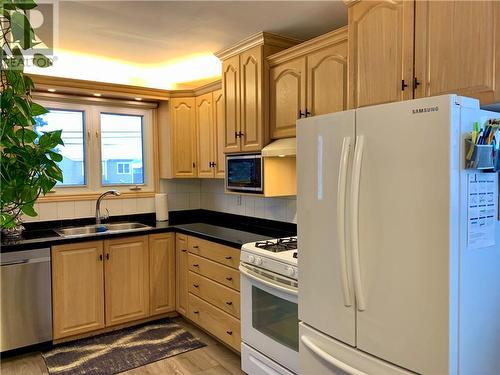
{"type": "Point", "coordinates": [227, 229]}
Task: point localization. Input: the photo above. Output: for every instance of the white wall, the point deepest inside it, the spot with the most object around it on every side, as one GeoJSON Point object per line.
{"type": "Point", "coordinates": [182, 195]}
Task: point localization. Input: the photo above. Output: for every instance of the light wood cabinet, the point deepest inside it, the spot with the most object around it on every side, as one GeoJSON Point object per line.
{"type": "Point", "coordinates": [210, 131]}
{"type": "Point", "coordinates": [127, 279]}
{"type": "Point", "coordinates": [222, 274]}
{"type": "Point", "coordinates": [77, 288]}
{"type": "Point", "coordinates": [457, 49]}
{"type": "Point", "coordinates": [225, 255]}
{"type": "Point", "coordinates": [308, 79]}
{"type": "Point", "coordinates": [220, 160]}
{"type": "Point", "coordinates": [183, 123]}
{"type": "Point", "coordinates": [288, 97]}
{"type": "Point", "coordinates": [380, 52]}
{"type": "Point", "coordinates": [400, 50]}
{"type": "Point", "coordinates": [162, 273]}
{"type": "Point", "coordinates": [181, 275]}
{"type": "Point", "coordinates": [245, 76]}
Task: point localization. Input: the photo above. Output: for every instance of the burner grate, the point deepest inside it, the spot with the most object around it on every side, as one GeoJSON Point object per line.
{"type": "Point", "coordinates": [281, 244]}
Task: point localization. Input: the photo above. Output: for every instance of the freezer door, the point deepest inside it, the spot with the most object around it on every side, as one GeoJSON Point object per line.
{"type": "Point", "coordinates": [322, 355]}
{"type": "Point", "coordinates": [326, 300]}
{"type": "Point", "coordinates": [405, 217]}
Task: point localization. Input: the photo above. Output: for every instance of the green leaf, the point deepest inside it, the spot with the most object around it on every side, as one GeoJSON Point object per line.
{"type": "Point", "coordinates": [55, 156]}
{"type": "Point", "coordinates": [37, 109]}
{"type": "Point", "coordinates": [41, 61]}
{"type": "Point", "coordinates": [29, 210]}
{"type": "Point", "coordinates": [27, 135]}
{"type": "Point", "coordinates": [25, 4]}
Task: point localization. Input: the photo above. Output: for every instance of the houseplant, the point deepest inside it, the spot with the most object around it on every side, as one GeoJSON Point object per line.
{"type": "Point", "coordinates": [28, 160]}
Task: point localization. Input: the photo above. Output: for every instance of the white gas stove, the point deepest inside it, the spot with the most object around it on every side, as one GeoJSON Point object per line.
{"type": "Point", "coordinates": [278, 255]}
{"type": "Point", "coordinates": [269, 307]}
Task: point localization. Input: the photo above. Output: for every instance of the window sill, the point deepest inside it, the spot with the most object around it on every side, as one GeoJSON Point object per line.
{"type": "Point", "coordinates": [61, 197]}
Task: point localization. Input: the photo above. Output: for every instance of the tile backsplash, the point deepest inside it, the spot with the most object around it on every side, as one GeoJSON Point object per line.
{"type": "Point", "coordinates": [182, 195]}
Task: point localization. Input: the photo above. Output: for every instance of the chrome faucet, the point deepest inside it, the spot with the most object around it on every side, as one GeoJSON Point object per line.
{"type": "Point", "coordinates": [98, 216]}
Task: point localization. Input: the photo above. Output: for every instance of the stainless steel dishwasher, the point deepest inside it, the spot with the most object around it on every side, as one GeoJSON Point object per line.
{"type": "Point", "coordinates": [26, 302]}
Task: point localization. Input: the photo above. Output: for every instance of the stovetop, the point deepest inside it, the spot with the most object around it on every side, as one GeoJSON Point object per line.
{"type": "Point", "coordinates": [278, 245]}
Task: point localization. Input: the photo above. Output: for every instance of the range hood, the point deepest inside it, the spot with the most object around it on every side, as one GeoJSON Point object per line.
{"type": "Point", "coordinates": [281, 148]}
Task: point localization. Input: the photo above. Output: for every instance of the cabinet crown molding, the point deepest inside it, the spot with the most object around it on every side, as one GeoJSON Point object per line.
{"type": "Point", "coordinates": [258, 39]}
{"type": "Point", "coordinates": [302, 49]}
{"type": "Point", "coordinates": [209, 87]}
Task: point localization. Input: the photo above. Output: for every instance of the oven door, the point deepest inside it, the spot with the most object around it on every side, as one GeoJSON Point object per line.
{"type": "Point", "coordinates": [269, 315]}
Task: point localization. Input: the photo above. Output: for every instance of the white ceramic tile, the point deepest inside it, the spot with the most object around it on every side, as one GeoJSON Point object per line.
{"type": "Point", "coordinates": [129, 206]}
{"type": "Point", "coordinates": [47, 211]}
{"type": "Point", "coordinates": [275, 209]}
{"type": "Point", "coordinates": [114, 206]}
{"type": "Point", "coordinates": [194, 201]}
{"type": "Point", "coordinates": [260, 207]}
{"type": "Point", "coordinates": [145, 205]}
{"type": "Point", "coordinates": [84, 209]}
{"type": "Point", "coordinates": [249, 203]}
{"type": "Point", "coordinates": [291, 210]}
{"type": "Point", "coordinates": [66, 210]}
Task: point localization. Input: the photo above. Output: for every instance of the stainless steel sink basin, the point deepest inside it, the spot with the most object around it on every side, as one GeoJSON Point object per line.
{"type": "Point", "coordinates": [89, 230]}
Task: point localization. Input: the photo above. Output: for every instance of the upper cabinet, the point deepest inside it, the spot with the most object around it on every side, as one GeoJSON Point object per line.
{"type": "Point", "coordinates": [380, 52]}
{"type": "Point", "coordinates": [245, 76]}
{"type": "Point", "coordinates": [210, 130]}
{"type": "Point", "coordinates": [307, 80]}
{"type": "Point", "coordinates": [457, 49]}
{"type": "Point", "coordinates": [401, 50]}
{"type": "Point", "coordinates": [183, 144]}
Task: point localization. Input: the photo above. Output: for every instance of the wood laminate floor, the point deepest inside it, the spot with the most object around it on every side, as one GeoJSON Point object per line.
{"type": "Point", "coordinates": [214, 359]}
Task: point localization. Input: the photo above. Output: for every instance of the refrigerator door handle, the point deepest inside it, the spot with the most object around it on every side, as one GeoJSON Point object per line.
{"type": "Point", "coordinates": [341, 206]}
{"type": "Point", "coordinates": [328, 358]}
{"type": "Point", "coordinates": [355, 183]}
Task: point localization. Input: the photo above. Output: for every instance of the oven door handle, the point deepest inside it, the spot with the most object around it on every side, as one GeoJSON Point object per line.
{"type": "Point", "coordinates": [267, 282]}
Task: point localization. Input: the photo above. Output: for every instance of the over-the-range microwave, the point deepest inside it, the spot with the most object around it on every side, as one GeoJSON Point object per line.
{"type": "Point", "coordinates": [244, 173]}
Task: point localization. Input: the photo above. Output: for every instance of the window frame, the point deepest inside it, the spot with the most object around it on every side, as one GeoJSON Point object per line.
{"type": "Point", "coordinates": [92, 145]}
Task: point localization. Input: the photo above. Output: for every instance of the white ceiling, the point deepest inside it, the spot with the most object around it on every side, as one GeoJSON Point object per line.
{"type": "Point", "coordinates": [160, 33]}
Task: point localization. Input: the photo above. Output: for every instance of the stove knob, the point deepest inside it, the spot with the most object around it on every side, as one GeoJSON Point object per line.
{"type": "Point", "coordinates": [258, 261]}
{"type": "Point", "coordinates": [290, 271]}
{"type": "Point", "coordinates": [251, 258]}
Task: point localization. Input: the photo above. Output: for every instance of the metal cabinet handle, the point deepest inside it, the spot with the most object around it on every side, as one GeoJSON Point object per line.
{"type": "Point", "coordinates": [107, 256]}
{"type": "Point", "coordinates": [196, 312]}
{"type": "Point", "coordinates": [301, 114]}
{"type": "Point", "coordinates": [183, 250]}
{"type": "Point", "coordinates": [229, 278]}
{"type": "Point", "coordinates": [228, 257]}
{"type": "Point", "coordinates": [196, 247]}
{"type": "Point", "coordinates": [100, 257]}
{"type": "Point", "coordinates": [229, 332]}
{"type": "Point", "coordinates": [415, 82]}
{"type": "Point", "coordinates": [403, 85]}
{"type": "Point", "coordinates": [196, 265]}
{"type": "Point", "coordinates": [229, 303]}
{"type": "Point", "coordinates": [196, 285]}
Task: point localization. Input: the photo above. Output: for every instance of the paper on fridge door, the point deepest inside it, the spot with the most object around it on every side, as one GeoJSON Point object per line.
{"type": "Point", "coordinates": [482, 208]}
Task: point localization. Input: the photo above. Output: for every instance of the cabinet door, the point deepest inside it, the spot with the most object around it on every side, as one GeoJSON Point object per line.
{"type": "Point", "coordinates": [183, 137]}
{"type": "Point", "coordinates": [181, 268]}
{"type": "Point", "coordinates": [127, 279]}
{"type": "Point", "coordinates": [327, 80]}
{"type": "Point", "coordinates": [251, 99]}
{"type": "Point", "coordinates": [205, 138]}
{"type": "Point", "coordinates": [231, 91]}
{"type": "Point", "coordinates": [162, 273]}
{"type": "Point", "coordinates": [457, 49]}
{"type": "Point", "coordinates": [287, 97]}
{"type": "Point", "coordinates": [380, 52]}
{"type": "Point", "coordinates": [77, 288]}
{"type": "Point", "coordinates": [220, 160]}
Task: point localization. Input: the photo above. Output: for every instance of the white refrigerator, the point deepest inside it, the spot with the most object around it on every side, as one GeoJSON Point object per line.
{"type": "Point", "coordinates": [394, 278]}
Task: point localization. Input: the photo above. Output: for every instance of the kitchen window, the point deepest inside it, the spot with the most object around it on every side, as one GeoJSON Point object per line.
{"type": "Point", "coordinates": [105, 146]}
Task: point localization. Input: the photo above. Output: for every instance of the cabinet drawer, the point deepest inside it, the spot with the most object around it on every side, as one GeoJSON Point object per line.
{"type": "Point", "coordinates": [219, 253]}
{"type": "Point", "coordinates": [215, 271]}
{"type": "Point", "coordinates": [215, 321]}
{"type": "Point", "coordinates": [224, 298]}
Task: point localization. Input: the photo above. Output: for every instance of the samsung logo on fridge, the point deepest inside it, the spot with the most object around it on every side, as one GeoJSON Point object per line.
{"type": "Point", "coordinates": [425, 110]}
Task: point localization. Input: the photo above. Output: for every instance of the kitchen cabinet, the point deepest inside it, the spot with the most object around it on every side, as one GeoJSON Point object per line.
{"type": "Point", "coordinates": [77, 288]}
{"type": "Point", "coordinates": [400, 50]}
{"type": "Point", "coordinates": [245, 77]}
{"type": "Point", "coordinates": [380, 52]}
{"type": "Point", "coordinates": [307, 80]}
{"type": "Point", "coordinates": [183, 123]}
{"type": "Point", "coordinates": [162, 273]}
{"type": "Point", "coordinates": [457, 49]}
{"type": "Point", "coordinates": [181, 268]}
{"type": "Point", "coordinates": [210, 128]}
{"type": "Point", "coordinates": [126, 289]}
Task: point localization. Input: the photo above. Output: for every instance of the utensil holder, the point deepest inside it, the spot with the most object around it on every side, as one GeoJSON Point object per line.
{"type": "Point", "coordinates": [480, 156]}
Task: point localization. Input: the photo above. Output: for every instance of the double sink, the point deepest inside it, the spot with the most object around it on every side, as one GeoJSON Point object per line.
{"type": "Point", "coordinates": [88, 230]}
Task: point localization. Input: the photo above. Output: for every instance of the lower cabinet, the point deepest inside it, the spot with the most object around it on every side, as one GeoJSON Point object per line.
{"type": "Point", "coordinates": [77, 288]}
{"type": "Point", "coordinates": [208, 284]}
{"type": "Point", "coordinates": [100, 284]}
